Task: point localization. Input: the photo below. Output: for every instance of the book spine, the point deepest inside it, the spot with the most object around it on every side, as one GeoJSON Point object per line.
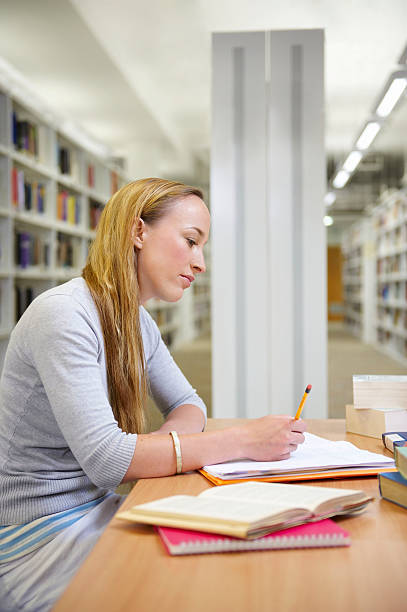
{"type": "Point", "coordinates": [20, 189]}
{"type": "Point", "coordinates": [14, 187]}
{"type": "Point", "coordinates": [401, 459]}
{"type": "Point", "coordinates": [14, 129]}
{"type": "Point", "coordinates": [24, 249]}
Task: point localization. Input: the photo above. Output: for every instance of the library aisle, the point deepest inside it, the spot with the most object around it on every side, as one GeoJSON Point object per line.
{"type": "Point", "coordinates": [347, 355]}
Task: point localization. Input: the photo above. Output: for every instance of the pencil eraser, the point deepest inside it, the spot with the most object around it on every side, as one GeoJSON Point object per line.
{"type": "Point", "coordinates": [308, 389]}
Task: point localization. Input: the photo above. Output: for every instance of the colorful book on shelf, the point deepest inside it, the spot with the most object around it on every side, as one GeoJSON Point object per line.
{"type": "Point", "coordinates": [400, 455]}
{"type": "Point", "coordinates": [248, 510]}
{"type": "Point", "coordinates": [391, 439]}
{"type": "Point", "coordinates": [321, 534]}
{"type": "Point", "coordinates": [316, 458]}
{"type": "Point", "coordinates": [393, 487]}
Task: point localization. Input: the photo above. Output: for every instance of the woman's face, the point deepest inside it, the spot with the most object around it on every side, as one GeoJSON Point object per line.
{"type": "Point", "coordinates": [170, 252]}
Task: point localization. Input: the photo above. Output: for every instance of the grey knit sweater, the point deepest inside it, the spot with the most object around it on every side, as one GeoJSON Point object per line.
{"type": "Point", "coordinates": [60, 445]}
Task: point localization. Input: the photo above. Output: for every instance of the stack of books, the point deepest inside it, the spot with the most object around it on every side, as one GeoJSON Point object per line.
{"type": "Point", "coordinates": [393, 485]}
{"type": "Point", "coordinates": [250, 516]}
{"type": "Point", "coordinates": [379, 405]}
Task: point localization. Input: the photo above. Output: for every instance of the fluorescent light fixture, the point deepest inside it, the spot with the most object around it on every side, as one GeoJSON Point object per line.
{"type": "Point", "coordinates": [328, 220]}
{"type": "Point", "coordinates": [341, 179]}
{"type": "Point", "coordinates": [391, 97]}
{"type": "Point", "coordinates": [403, 57]}
{"type": "Point", "coordinates": [329, 198]}
{"type": "Point", "coordinates": [352, 161]}
{"type": "Point", "coordinates": [368, 135]}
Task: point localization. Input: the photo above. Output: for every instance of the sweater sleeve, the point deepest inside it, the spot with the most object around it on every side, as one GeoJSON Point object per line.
{"type": "Point", "coordinates": [168, 386]}
{"type": "Point", "coordinates": [63, 346]}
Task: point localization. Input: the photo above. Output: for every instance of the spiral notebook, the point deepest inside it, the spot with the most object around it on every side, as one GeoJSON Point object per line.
{"type": "Point", "coordinates": [321, 534]}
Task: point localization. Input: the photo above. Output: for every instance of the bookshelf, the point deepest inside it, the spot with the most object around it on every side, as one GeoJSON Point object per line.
{"type": "Point", "coordinates": [52, 192]}
{"type": "Point", "coordinates": [352, 277]}
{"type": "Point", "coordinates": [375, 276]}
{"type": "Point", "coordinates": [359, 279]}
{"type": "Point", "coordinates": [390, 228]}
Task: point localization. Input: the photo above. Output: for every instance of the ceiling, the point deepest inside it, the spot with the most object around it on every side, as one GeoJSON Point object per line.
{"type": "Point", "coordinates": [136, 73]}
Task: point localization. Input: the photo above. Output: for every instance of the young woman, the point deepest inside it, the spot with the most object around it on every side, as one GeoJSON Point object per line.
{"type": "Point", "coordinates": [78, 368]}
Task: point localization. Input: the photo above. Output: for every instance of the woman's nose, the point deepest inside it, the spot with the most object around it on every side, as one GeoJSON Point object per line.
{"type": "Point", "coordinates": [199, 264]}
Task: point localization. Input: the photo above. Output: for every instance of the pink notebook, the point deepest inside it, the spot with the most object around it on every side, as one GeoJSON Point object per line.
{"type": "Point", "coordinates": [325, 533]}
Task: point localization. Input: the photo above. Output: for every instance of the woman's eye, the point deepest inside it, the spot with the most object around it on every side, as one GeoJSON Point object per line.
{"type": "Point", "coordinates": [191, 242]}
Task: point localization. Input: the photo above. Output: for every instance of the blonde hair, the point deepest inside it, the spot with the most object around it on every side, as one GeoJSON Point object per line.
{"type": "Point", "coordinates": [111, 275]}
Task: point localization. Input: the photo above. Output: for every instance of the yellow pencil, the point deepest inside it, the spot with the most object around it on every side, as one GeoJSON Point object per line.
{"type": "Point", "coordinates": [300, 407]}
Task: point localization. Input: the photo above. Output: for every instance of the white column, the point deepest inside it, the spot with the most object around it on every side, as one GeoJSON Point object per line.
{"type": "Point", "coordinates": [268, 240]}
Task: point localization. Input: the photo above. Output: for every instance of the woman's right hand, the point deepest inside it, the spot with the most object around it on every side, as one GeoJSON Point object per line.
{"type": "Point", "coordinates": [270, 438]}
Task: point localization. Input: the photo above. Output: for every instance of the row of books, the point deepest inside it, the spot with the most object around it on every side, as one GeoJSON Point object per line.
{"type": "Point", "coordinates": [24, 297]}
{"type": "Point", "coordinates": [66, 254]}
{"type": "Point", "coordinates": [392, 264]}
{"type": "Point", "coordinates": [68, 208]}
{"type": "Point", "coordinates": [91, 175]}
{"type": "Point", "coordinates": [25, 194]}
{"type": "Point", "coordinates": [352, 293]}
{"type": "Point", "coordinates": [390, 340]}
{"type": "Point", "coordinates": [31, 250]}
{"type": "Point", "coordinates": [392, 317]}
{"type": "Point", "coordinates": [392, 214]}
{"type": "Point", "coordinates": [393, 291]}
{"type": "Point", "coordinates": [394, 238]}
{"type": "Point", "coordinates": [24, 134]}
{"type": "Point", "coordinates": [95, 210]}
{"type": "Point", "coordinates": [64, 160]}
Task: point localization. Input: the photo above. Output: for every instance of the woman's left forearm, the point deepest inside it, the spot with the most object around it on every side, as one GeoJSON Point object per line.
{"type": "Point", "coordinates": [184, 419]}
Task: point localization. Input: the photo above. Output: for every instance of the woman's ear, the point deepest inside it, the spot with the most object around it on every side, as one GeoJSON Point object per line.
{"type": "Point", "coordinates": [138, 233]}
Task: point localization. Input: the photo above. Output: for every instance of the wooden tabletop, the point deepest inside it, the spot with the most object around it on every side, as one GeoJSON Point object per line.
{"type": "Point", "coordinates": [129, 569]}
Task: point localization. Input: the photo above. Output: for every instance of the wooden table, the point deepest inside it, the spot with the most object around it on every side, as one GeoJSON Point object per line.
{"type": "Point", "coordinates": [129, 569]}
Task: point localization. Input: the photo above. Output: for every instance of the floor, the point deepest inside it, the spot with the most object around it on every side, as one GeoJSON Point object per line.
{"type": "Point", "coordinates": [346, 356]}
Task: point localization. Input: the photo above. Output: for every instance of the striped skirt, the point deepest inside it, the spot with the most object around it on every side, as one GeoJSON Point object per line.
{"type": "Point", "coordinates": [38, 560]}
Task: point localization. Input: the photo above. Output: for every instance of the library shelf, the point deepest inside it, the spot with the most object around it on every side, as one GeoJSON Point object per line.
{"type": "Point", "coordinates": [52, 191]}
{"type": "Point", "coordinates": [384, 287]}
{"type": "Point", "coordinates": [38, 163]}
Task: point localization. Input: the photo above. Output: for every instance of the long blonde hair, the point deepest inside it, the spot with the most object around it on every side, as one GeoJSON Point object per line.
{"type": "Point", "coordinates": [111, 275]}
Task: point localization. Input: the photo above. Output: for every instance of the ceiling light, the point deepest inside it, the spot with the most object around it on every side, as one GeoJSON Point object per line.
{"type": "Point", "coordinates": [329, 198]}
{"type": "Point", "coordinates": [391, 97]}
{"type": "Point", "coordinates": [341, 179]}
{"type": "Point", "coordinates": [352, 161]}
{"type": "Point", "coordinates": [368, 135]}
{"type": "Point", "coordinates": [328, 220]}
{"type": "Point", "coordinates": [403, 57]}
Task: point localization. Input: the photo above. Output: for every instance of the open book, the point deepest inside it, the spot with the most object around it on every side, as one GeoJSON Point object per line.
{"type": "Point", "coordinates": [248, 510]}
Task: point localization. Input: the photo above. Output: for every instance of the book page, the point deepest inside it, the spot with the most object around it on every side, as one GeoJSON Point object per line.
{"type": "Point", "coordinates": [279, 496]}
{"type": "Point", "coordinates": [229, 508]}
{"type": "Point", "coordinates": [314, 454]}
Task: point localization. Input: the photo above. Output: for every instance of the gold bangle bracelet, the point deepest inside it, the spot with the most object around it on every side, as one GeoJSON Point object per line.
{"type": "Point", "coordinates": [177, 448]}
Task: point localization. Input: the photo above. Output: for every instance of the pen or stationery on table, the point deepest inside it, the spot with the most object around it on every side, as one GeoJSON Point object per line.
{"type": "Point", "coordinates": [300, 407]}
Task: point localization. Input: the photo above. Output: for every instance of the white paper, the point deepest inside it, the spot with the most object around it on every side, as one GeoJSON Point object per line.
{"type": "Point", "coordinates": [313, 455]}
